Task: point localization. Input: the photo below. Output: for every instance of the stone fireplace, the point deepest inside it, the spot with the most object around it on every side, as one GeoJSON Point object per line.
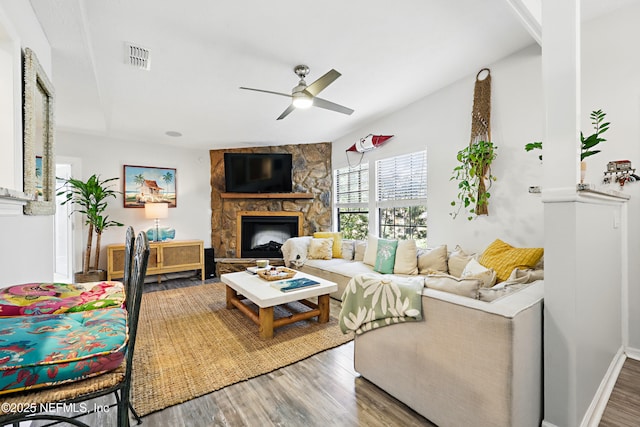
{"type": "Point", "coordinates": [312, 175]}
{"type": "Point", "coordinates": [261, 234]}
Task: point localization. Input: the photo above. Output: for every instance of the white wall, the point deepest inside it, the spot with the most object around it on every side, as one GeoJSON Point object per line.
{"type": "Point", "coordinates": [26, 245]}
{"type": "Point", "coordinates": [106, 157]}
{"type": "Point", "coordinates": [611, 81]}
{"type": "Point", "coordinates": [441, 123]}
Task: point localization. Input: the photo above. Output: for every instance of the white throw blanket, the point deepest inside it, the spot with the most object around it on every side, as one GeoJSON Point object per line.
{"type": "Point", "coordinates": [294, 251]}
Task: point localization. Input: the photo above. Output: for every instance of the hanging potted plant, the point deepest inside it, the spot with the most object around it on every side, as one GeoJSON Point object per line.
{"type": "Point", "coordinates": [473, 173]}
{"type": "Point", "coordinates": [90, 199]}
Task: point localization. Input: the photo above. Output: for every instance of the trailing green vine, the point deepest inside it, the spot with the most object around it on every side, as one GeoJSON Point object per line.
{"type": "Point", "coordinates": [472, 174]}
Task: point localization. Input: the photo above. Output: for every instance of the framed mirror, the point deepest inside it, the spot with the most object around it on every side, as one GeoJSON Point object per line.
{"type": "Point", "coordinates": [38, 149]}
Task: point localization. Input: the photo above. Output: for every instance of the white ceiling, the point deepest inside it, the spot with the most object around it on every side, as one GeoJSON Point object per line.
{"type": "Point", "coordinates": [389, 54]}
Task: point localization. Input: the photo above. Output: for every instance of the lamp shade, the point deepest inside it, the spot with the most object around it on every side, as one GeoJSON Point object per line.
{"type": "Point", "coordinates": [156, 210]}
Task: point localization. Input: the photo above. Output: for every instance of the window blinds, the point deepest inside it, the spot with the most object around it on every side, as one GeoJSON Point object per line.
{"type": "Point", "coordinates": [352, 186]}
{"type": "Point", "coordinates": [402, 180]}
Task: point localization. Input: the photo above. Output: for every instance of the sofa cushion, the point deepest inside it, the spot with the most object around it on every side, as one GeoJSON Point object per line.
{"type": "Point", "coordinates": [454, 285]}
{"type": "Point", "coordinates": [475, 270]}
{"type": "Point", "coordinates": [38, 351]}
{"type": "Point", "coordinates": [386, 256]}
{"type": "Point", "coordinates": [432, 260]}
{"type": "Point", "coordinates": [321, 249]}
{"type": "Point", "coordinates": [458, 260]}
{"type": "Point", "coordinates": [406, 258]}
{"type": "Point", "coordinates": [504, 258]}
{"type": "Point", "coordinates": [336, 250]}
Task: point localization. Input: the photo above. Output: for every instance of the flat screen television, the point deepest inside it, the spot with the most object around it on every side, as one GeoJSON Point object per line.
{"type": "Point", "coordinates": [257, 172]}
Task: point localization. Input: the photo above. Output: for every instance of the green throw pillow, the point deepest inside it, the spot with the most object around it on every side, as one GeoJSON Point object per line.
{"type": "Point", "coordinates": [386, 256]}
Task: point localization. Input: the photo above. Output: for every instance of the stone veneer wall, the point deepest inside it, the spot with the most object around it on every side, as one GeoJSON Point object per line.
{"type": "Point", "coordinates": [311, 174]}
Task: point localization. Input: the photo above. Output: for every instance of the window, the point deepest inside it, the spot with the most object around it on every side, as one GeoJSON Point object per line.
{"type": "Point", "coordinates": [401, 195]}
{"type": "Point", "coordinates": [352, 201]}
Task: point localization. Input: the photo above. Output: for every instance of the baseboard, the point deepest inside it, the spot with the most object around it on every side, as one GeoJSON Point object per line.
{"type": "Point", "coordinates": [547, 424]}
{"type": "Point", "coordinates": [632, 353]}
{"type": "Point", "coordinates": [599, 403]}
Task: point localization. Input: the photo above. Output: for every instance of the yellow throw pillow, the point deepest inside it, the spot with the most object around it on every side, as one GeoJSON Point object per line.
{"type": "Point", "coordinates": [320, 249]}
{"type": "Point", "coordinates": [337, 241]}
{"type": "Point", "coordinates": [504, 258]}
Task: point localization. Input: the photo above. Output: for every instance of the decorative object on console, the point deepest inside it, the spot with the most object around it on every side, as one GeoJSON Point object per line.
{"type": "Point", "coordinates": [144, 184]}
{"type": "Point", "coordinates": [303, 96]}
{"type": "Point", "coordinates": [620, 171]}
{"type": "Point", "coordinates": [158, 211]}
{"type": "Point", "coordinates": [90, 199]}
{"type": "Point", "coordinates": [476, 159]}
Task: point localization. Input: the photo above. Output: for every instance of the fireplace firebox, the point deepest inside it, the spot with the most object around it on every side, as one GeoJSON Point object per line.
{"type": "Point", "coordinates": [261, 234]}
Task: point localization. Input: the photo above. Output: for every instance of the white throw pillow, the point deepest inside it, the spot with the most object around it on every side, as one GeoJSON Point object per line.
{"type": "Point", "coordinates": [361, 247]}
{"type": "Point", "coordinates": [433, 260]}
{"type": "Point", "coordinates": [475, 270]}
{"type": "Point", "coordinates": [371, 252]}
{"type": "Point", "coordinates": [457, 261]}
{"type": "Point", "coordinates": [406, 257]}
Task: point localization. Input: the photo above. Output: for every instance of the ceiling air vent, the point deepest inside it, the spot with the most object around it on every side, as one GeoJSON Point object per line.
{"type": "Point", "coordinates": [137, 56]}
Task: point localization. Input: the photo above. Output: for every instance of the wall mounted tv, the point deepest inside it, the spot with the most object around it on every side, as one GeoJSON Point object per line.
{"type": "Point", "coordinates": [257, 172]}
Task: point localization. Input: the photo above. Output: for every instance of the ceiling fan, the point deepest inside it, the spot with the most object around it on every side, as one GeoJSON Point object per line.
{"type": "Point", "coordinates": [305, 96]}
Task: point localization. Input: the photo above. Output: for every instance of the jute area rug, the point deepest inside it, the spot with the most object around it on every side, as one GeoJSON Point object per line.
{"type": "Point", "coordinates": [189, 344]}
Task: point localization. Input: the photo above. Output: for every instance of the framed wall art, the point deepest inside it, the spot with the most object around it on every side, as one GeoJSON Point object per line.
{"type": "Point", "coordinates": [144, 184]}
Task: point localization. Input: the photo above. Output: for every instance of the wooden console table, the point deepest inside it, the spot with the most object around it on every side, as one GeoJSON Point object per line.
{"type": "Point", "coordinates": [164, 257]}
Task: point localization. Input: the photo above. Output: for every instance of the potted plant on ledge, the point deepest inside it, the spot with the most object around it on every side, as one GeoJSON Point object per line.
{"type": "Point", "coordinates": [90, 199]}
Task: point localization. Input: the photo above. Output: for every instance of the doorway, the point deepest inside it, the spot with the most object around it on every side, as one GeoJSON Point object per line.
{"type": "Point", "coordinates": [63, 230]}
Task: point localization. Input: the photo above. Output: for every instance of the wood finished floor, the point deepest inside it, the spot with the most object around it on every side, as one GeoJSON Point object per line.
{"type": "Point", "coordinates": [324, 390]}
{"type": "Point", "coordinates": [623, 408]}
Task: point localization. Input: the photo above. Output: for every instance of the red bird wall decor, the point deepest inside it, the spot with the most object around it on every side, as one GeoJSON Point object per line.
{"type": "Point", "coordinates": [369, 142]}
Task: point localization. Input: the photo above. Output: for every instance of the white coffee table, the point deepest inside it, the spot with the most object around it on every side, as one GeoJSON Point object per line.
{"type": "Point", "coordinates": [260, 292]}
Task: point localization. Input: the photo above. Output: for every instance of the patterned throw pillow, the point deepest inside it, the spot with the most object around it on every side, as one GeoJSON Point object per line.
{"type": "Point", "coordinates": [320, 249]}
{"type": "Point", "coordinates": [337, 241]}
{"type": "Point", "coordinates": [385, 256]}
{"type": "Point", "coordinates": [504, 258]}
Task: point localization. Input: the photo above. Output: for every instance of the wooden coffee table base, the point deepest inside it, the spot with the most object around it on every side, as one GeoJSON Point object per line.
{"type": "Point", "coordinates": [264, 316]}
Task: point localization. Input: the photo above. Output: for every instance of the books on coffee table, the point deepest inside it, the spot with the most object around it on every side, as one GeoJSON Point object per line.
{"type": "Point", "coordinates": [294, 284]}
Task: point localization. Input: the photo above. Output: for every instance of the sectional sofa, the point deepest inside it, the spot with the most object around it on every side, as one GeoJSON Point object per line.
{"type": "Point", "coordinates": [476, 358]}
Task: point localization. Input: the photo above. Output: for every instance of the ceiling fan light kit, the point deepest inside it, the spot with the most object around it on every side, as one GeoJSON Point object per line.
{"type": "Point", "coordinates": [304, 96]}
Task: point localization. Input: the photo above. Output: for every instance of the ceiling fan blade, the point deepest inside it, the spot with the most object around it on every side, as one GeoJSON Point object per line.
{"type": "Point", "coordinates": [328, 105]}
{"type": "Point", "coordinates": [286, 112]}
{"type": "Point", "coordinates": [267, 91]}
{"type": "Point", "coordinates": [319, 85]}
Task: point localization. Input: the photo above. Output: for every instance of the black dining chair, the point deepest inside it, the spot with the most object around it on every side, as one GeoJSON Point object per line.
{"type": "Point", "coordinates": [23, 406]}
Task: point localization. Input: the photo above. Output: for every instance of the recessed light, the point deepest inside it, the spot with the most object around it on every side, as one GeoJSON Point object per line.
{"type": "Point", "coordinates": [173, 133]}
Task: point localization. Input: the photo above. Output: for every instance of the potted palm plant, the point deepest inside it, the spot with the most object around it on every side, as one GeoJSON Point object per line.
{"type": "Point", "coordinates": [90, 199]}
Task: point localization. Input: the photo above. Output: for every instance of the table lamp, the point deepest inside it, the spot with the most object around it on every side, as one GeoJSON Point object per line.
{"type": "Point", "coordinates": [156, 211]}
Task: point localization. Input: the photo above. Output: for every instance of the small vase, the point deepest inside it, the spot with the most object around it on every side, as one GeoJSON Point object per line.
{"type": "Point", "coordinates": [583, 171]}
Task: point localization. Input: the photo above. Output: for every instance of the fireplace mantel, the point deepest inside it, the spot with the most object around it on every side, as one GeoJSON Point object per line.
{"type": "Point", "coordinates": [266, 195]}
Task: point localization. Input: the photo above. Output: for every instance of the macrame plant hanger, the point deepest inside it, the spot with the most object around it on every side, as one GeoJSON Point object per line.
{"type": "Point", "coordinates": [481, 125]}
